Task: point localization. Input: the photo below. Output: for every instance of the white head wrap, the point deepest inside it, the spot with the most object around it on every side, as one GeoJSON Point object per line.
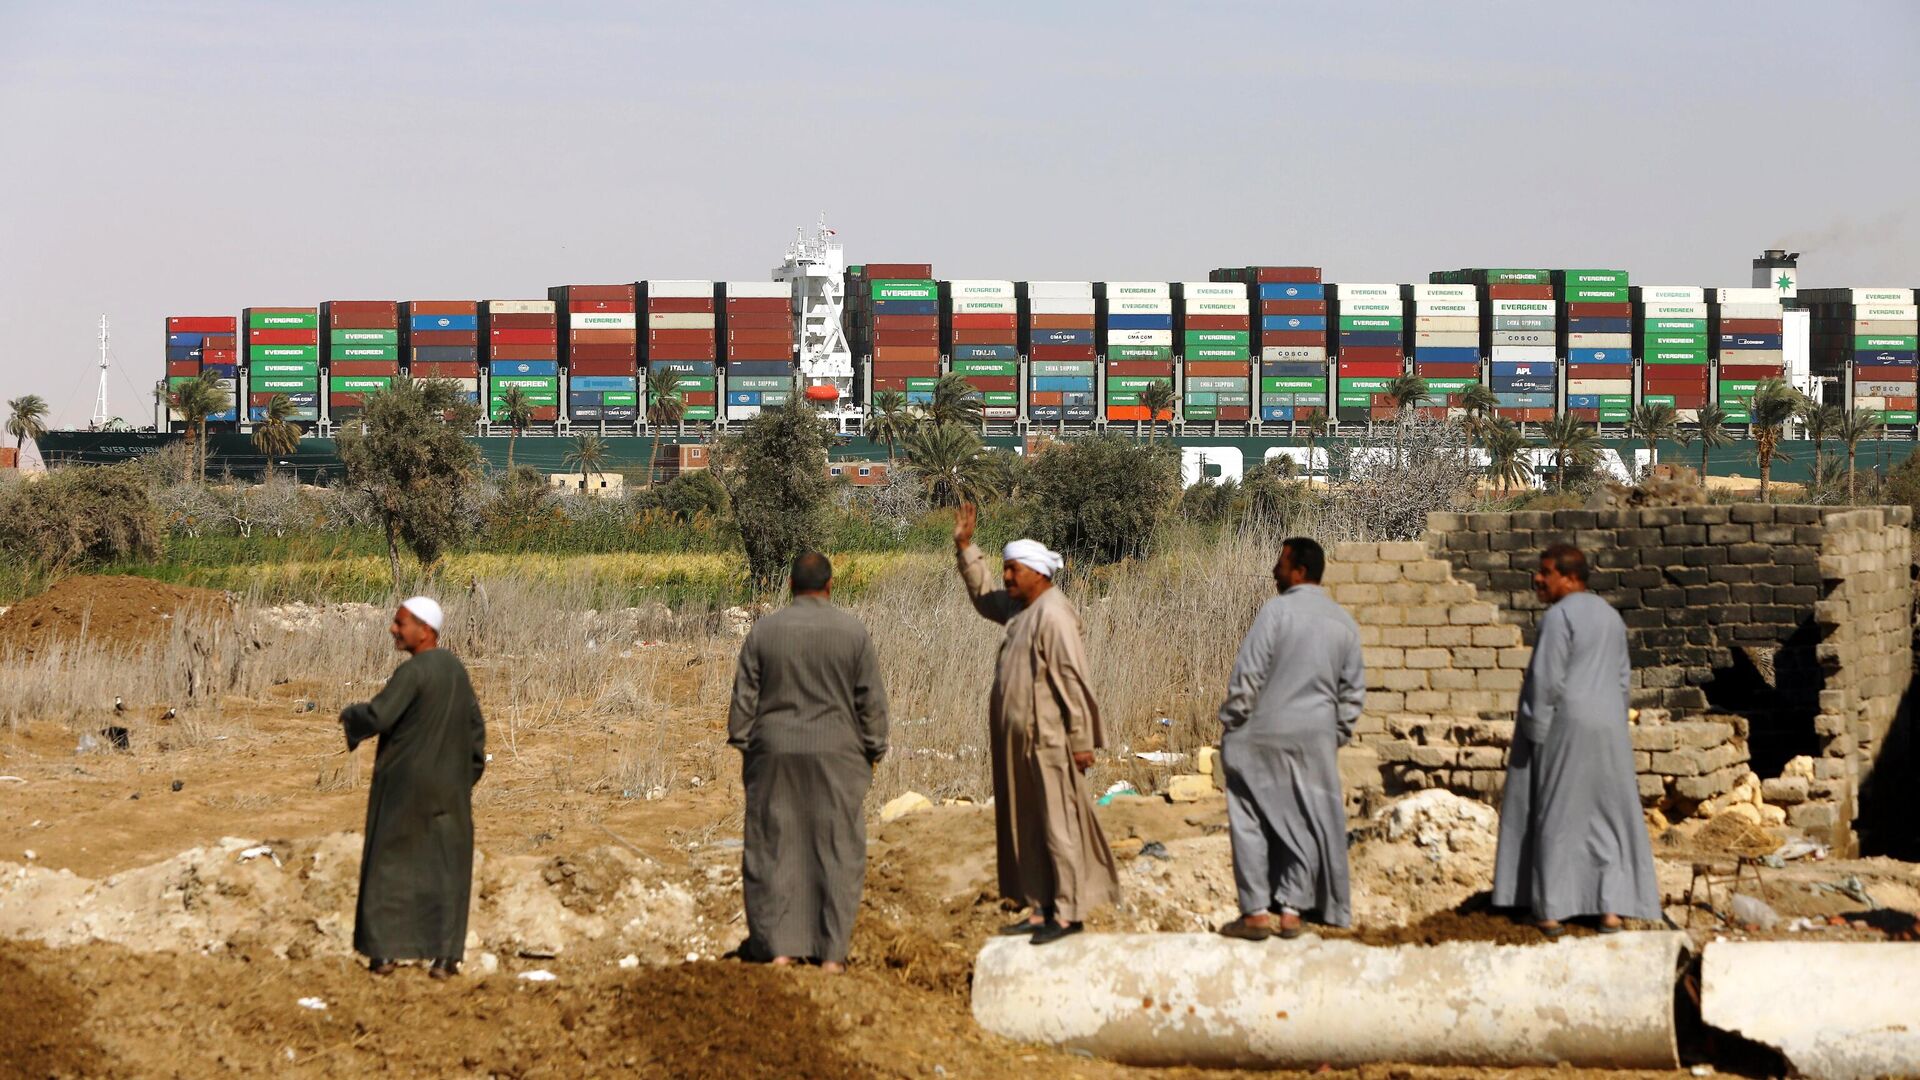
{"type": "Point", "coordinates": [426, 609]}
{"type": "Point", "coordinates": [1035, 556]}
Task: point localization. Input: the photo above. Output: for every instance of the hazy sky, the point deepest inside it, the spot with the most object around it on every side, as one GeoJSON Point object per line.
{"type": "Point", "coordinates": [197, 157]}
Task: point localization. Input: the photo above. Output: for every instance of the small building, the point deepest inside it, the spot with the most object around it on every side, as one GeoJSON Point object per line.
{"type": "Point", "coordinates": [859, 473]}
{"type": "Point", "coordinates": [676, 458]}
{"type": "Point", "coordinates": [595, 484]}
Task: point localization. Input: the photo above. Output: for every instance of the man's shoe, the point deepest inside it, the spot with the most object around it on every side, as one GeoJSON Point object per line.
{"type": "Point", "coordinates": [1053, 932]}
{"type": "Point", "coordinates": [1246, 930]}
{"type": "Point", "coordinates": [1287, 927]}
{"type": "Point", "coordinates": [444, 969]}
{"type": "Point", "coordinates": [382, 966]}
{"type": "Point", "coordinates": [1021, 928]}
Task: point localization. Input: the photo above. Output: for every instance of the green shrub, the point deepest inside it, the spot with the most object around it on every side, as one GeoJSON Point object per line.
{"type": "Point", "coordinates": [79, 518]}
{"type": "Point", "coordinates": [1101, 498]}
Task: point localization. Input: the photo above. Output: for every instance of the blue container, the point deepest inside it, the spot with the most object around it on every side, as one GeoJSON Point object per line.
{"type": "Point", "coordinates": [183, 352]}
{"type": "Point", "coordinates": [1751, 341]}
{"type": "Point", "coordinates": [1063, 384]}
{"type": "Point", "coordinates": [1446, 354]}
{"type": "Point", "coordinates": [1521, 400]}
{"type": "Point", "coordinates": [529, 368]}
{"type": "Point", "coordinates": [221, 371]}
{"type": "Point", "coordinates": [1139, 322]}
{"type": "Point", "coordinates": [1080, 413]}
{"type": "Point", "coordinates": [1292, 290]}
{"type": "Point", "coordinates": [683, 367]}
{"type": "Point", "coordinates": [759, 367]}
{"type": "Point", "coordinates": [446, 322]}
{"type": "Point", "coordinates": [1583, 401]}
{"type": "Point", "coordinates": [1590, 325]}
{"type": "Point", "coordinates": [619, 414]}
{"type": "Point", "coordinates": [743, 397]}
{"type": "Point", "coordinates": [599, 383]}
{"type": "Point", "coordinates": [1293, 371]}
{"type": "Point", "coordinates": [1276, 412]}
{"type": "Point", "coordinates": [1293, 323]}
{"type": "Point", "coordinates": [446, 354]}
{"type": "Point", "coordinates": [986, 352]}
{"type": "Point", "coordinates": [227, 417]}
{"type": "Point", "coordinates": [1075, 400]}
{"type": "Point", "coordinates": [1541, 383]}
{"type": "Point", "coordinates": [577, 398]}
{"type": "Point", "coordinates": [919, 397]}
{"type": "Point", "coordinates": [1883, 359]}
{"type": "Point", "coordinates": [1050, 414]}
{"type": "Point", "coordinates": [906, 307]}
{"type": "Point", "coordinates": [186, 341]}
{"type": "Point", "coordinates": [1619, 355]}
{"type": "Point", "coordinates": [1369, 339]}
{"type": "Point", "coordinates": [583, 412]}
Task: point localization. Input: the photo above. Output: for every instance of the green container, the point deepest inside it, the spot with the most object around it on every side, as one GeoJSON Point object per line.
{"type": "Point", "coordinates": [1658, 399]}
{"type": "Point", "coordinates": [1679, 357]}
{"type": "Point", "coordinates": [359, 384]}
{"type": "Point", "coordinates": [996, 368]}
{"type": "Point", "coordinates": [1595, 294]}
{"type": "Point", "coordinates": [1372, 323]}
{"type": "Point", "coordinates": [1368, 386]}
{"type": "Point", "coordinates": [1217, 337]}
{"type": "Point", "coordinates": [700, 412]}
{"type": "Point", "coordinates": [388, 353]}
{"type": "Point", "coordinates": [629, 398]}
{"type": "Point", "coordinates": [1218, 354]}
{"type": "Point", "coordinates": [1234, 399]}
{"type": "Point", "coordinates": [905, 289]}
{"type": "Point", "coordinates": [1160, 353]}
{"type": "Point", "coordinates": [1000, 397]}
{"type": "Point", "coordinates": [1133, 384]}
{"type": "Point", "coordinates": [1275, 384]}
{"type": "Point", "coordinates": [284, 352]}
{"type": "Point", "coordinates": [536, 398]}
{"type": "Point", "coordinates": [1216, 382]}
{"type": "Point", "coordinates": [1200, 412]}
{"type": "Point", "coordinates": [1083, 369]}
{"type": "Point", "coordinates": [1450, 386]}
{"type": "Point", "coordinates": [1355, 401]}
{"type": "Point", "coordinates": [1593, 278]}
{"type": "Point", "coordinates": [921, 386]}
{"type": "Point", "coordinates": [1202, 398]}
{"type": "Point", "coordinates": [1675, 326]}
{"type": "Point", "coordinates": [529, 382]}
{"type": "Point", "coordinates": [282, 384]}
{"type": "Point", "coordinates": [1901, 417]}
{"type": "Point", "coordinates": [775, 398]}
{"type": "Point", "coordinates": [281, 320]}
{"type": "Point", "coordinates": [1616, 401]}
{"type": "Point", "coordinates": [738, 383]}
{"type": "Point", "coordinates": [1614, 416]}
{"type": "Point", "coordinates": [364, 337]}
{"type": "Point", "coordinates": [1276, 401]}
{"type": "Point", "coordinates": [1737, 415]}
{"type": "Point", "coordinates": [1676, 341]}
{"type": "Point", "coordinates": [694, 384]}
{"type": "Point", "coordinates": [1508, 276]}
{"type": "Point", "coordinates": [1875, 342]}
{"type": "Point", "coordinates": [284, 368]}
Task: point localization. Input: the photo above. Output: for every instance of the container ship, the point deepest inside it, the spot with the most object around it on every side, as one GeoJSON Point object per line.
{"type": "Point", "coordinates": [1256, 352]}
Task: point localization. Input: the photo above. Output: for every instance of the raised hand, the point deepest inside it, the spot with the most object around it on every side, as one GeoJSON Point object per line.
{"type": "Point", "coordinates": [963, 524]}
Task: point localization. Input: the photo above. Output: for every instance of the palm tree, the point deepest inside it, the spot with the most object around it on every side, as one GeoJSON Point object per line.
{"type": "Point", "coordinates": [665, 407]}
{"type": "Point", "coordinates": [1479, 402]}
{"type": "Point", "coordinates": [1158, 398]}
{"type": "Point", "coordinates": [195, 400]}
{"type": "Point", "coordinates": [955, 401]}
{"type": "Point", "coordinates": [276, 433]}
{"type": "Point", "coordinates": [516, 408]}
{"type": "Point", "coordinates": [588, 454]}
{"type": "Point", "coordinates": [1508, 463]}
{"type": "Point", "coordinates": [1573, 443]}
{"type": "Point", "coordinates": [1820, 422]}
{"type": "Point", "coordinates": [28, 419]}
{"type": "Point", "coordinates": [1855, 428]}
{"type": "Point", "coordinates": [951, 465]}
{"type": "Point", "coordinates": [890, 419]}
{"type": "Point", "coordinates": [1774, 403]}
{"type": "Point", "coordinates": [1713, 434]}
{"type": "Point", "coordinates": [1313, 423]}
{"type": "Point", "coordinates": [1651, 423]}
{"type": "Point", "coordinates": [1408, 392]}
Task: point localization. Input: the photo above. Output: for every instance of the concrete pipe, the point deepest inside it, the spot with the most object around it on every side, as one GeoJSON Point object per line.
{"type": "Point", "coordinates": [1200, 999]}
{"type": "Point", "coordinates": [1836, 1010]}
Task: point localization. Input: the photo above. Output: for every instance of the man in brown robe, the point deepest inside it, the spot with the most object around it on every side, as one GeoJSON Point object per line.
{"type": "Point", "coordinates": [809, 718]}
{"type": "Point", "coordinates": [1044, 726]}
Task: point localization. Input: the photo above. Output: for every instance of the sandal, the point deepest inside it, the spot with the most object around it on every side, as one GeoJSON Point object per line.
{"type": "Point", "coordinates": [1551, 930]}
{"type": "Point", "coordinates": [1289, 927]}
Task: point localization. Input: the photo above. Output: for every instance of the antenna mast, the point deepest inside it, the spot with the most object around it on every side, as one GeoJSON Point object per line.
{"type": "Point", "coordinates": [100, 414]}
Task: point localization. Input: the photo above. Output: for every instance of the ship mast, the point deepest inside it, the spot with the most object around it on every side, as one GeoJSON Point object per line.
{"type": "Point", "coordinates": [100, 414]}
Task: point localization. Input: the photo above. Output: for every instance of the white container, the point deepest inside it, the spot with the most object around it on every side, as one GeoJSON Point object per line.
{"type": "Point", "coordinates": [1466, 309]}
{"type": "Point", "coordinates": [1883, 389]}
{"type": "Point", "coordinates": [681, 290]}
{"type": "Point", "coordinates": [1060, 290]}
{"type": "Point", "coordinates": [1672, 294]}
{"type": "Point", "coordinates": [1293, 354]}
{"type": "Point", "coordinates": [1139, 306]}
{"type": "Point", "coordinates": [1599, 386]}
{"type": "Point", "coordinates": [1753, 358]}
{"type": "Point", "coordinates": [1622, 342]}
{"type": "Point", "coordinates": [1007, 306]}
{"type": "Point", "coordinates": [1521, 337]}
{"type": "Point", "coordinates": [1886, 313]}
{"type": "Point", "coordinates": [1881, 297]}
{"type": "Point", "coordinates": [1044, 306]}
{"type": "Point", "coordinates": [762, 290]}
{"type": "Point", "coordinates": [1441, 324]}
{"type": "Point", "coordinates": [1213, 290]}
{"type": "Point", "coordinates": [1369, 306]}
{"type": "Point", "coordinates": [610, 320]}
{"type": "Point", "coordinates": [1346, 291]}
{"type": "Point", "coordinates": [1445, 292]}
{"type": "Point", "coordinates": [1869, 402]}
{"type": "Point", "coordinates": [1140, 337]}
{"type": "Point", "coordinates": [1890, 327]}
{"type": "Point", "coordinates": [520, 307]}
{"type": "Point", "coordinates": [1215, 306]}
{"type": "Point", "coordinates": [1751, 311]}
{"type": "Point", "coordinates": [980, 290]}
{"type": "Point", "coordinates": [1674, 311]}
{"type": "Point", "coordinates": [1746, 296]}
{"type": "Point", "coordinates": [742, 412]}
{"type": "Point", "coordinates": [1445, 339]}
{"type": "Point", "coordinates": [1137, 290]}
{"type": "Point", "coordinates": [1525, 354]}
{"type": "Point", "coordinates": [677, 320]}
{"type": "Point", "coordinates": [1521, 307]}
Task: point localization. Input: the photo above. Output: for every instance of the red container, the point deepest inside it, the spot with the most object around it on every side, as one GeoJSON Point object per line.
{"type": "Point", "coordinates": [546, 412]}
{"type": "Point", "coordinates": [908, 338]}
{"type": "Point", "coordinates": [753, 321]}
{"type": "Point", "coordinates": [1217, 322]}
{"type": "Point", "coordinates": [575, 295]}
{"type": "Point", "coordinates": [973, 321]}
{"type": "Point", "coordinates": [1062, 352]}
{"type": "Point", "coordinates": [1447, 371]}
{"type": "Point", "coordinates": [1133, 368]}
{"type": "Point", "coordinates": [1233, 412]}
{"type": "Point", "coordinates": [1591, 416]}
{"type": "Point", "coordinates": [673, 337]}
{"type": "Point", "coordinates": [1221, 368]}
{"type": "Point", "coordinates": [888, 382]}
{"type": "Point", "coordinates": [907, 369]}
{"type": "Point", "coordinates": [684, 352]}
{"type": "Point", "coordinates": [444, 337]}
{"type": "Point", "coordinates": [1307, 275]}
{"type": "Point", "coordinates": [501, 336]}
{"type": "Point", "coordinates": [202, 324]}
{"type": "Point", "coordinates": [219, 356]}
{"type": "Point", "coordinates": [434, 370]}
{"type": "Point", "coordinates": [699, 397]}
{"type": "Point", "coordinates": [760, 352]}
{"type": "Point", "coordinates": [1008, 336]}
{"type": "Point", "coordinates": [1520, 292]}
{"type": "Point", "coordinates": [770, 305]}
{"type": "Point", "coordinates": [1599, 311]}
{"type": "Point", "coordinates": [183, 369]}
{"type": "Point", "coordinates": [1600, 371]}
{"type": "Point", "coordinates": [1748, 372]}
{"type": "Point", "coordinates": [993, 382]}
{"type": "Point", "coordinates": [624, 350]}
{"type": "Point", "coordinates": [526, 321]}
{"type": "Point", "coordinates": [283, 337]}
{"type": "Point", "coordinates": [1371, 354]}
{"type": "Point", "coordinates": [899, 270]}
{"type": "Point", "coordinates": [1293, 307]}
{"type": "Point", "coordinates": [678, 305]}
{"type": "Point", "coordinates": [1369, 369]}
{"type": "Point", "coordinates": [443, 307]}
{"type": "Point", "coordinates": [759, 337]}
{"type": "Point", "coordinates": [1295, 339]}
{"type": "Point", "coordinates": [617, 337]}
{"type": "Point", "coordinates": [346, 400]}
{"type": "Point", "coordinates": [1750, 326]}
{"type": "Point", "coordinates": [548, 351]}
{"type": "Point", "coordinates": [916, 354]}
{"type": "Point", "coordinates": [1060, 322]}
{"type": "Point", "coordinates": [578, 366]}
{"type": "Point", "coordinates": [364, 367]}
{"type": "Point", "coordinates": [219, 341]}
{"type": "Point", "coordinates": [907, 322]}
{"type": "Point", "coordinates": [1526, 415]}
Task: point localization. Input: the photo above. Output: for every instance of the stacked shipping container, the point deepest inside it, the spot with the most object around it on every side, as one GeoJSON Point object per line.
{"type": "Point", "coordinates": [1869, 339]}
{"type": "Point", "coordinates": [1057, 332]}
{"type": "Point", "coordinates": [523, 351]}
{"type": "Point", "coordinates": [1596, 340]}
{"type": "Point", "coordinates": [1290, 337]}
{"type": "Point", "coordinates": [757, 320]}
{"type": "Point", "coordinates": [1670, 324]}
{"type": "Point", "coordinates": [600, 350]}
{"type": "Point", "coordinates": [1136, 335]}
{"type": "Point", "coordinates": [283, 357]}
{"type": "Point", "coordinates": [360, 350]}
{"type": "Point", "coordinates": [1216, 347]}
{"type": "Point", "coordinates": [1749, 325]}
{"type": "Point", "coordinates": [1369, 346]}
{"type": "Point", "coordinates": [983, 342]}
{"type": "Point", "coordinates": [1519, 328]}
{"type": "Point", "coordinates": [683, 337]}
{"type": "Point", "coordinates": [895, 314]}
{"type": "Point", "coordinates": [440, 339]}
{"type": "Point", "coordinates": [209, 343]}
{"type": "Point", "coordinates": [1446, 338]}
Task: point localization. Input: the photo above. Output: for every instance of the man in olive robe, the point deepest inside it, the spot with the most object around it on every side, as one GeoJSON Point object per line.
{"type": "Point", "coordinates": [809, 717]}
{"type": "Point", "coordinates": [1044, 726]}
{"type": "Point", "coordinates": [416, 865]}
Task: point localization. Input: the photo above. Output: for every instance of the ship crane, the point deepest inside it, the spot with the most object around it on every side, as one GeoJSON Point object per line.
{"type": "Point", "coordinates": [816, 270]}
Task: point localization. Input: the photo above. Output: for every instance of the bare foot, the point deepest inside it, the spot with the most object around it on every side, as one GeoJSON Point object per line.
{"type": "Point", "coordinates": [1610, 922]}
{"type": "Point", "coordinates": [783, 961]}
{"type": "Point", "coordinates": [832, 967]}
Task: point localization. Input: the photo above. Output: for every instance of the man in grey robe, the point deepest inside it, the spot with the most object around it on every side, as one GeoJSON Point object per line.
{"type": "Point", "coordinates": [1297, 688]}
{"type": "Point", "coordinates": [416, 863]}
{"type": "Point", "coordinates": [809, 718]}
{"type": "Point", "coordinates": [1572, 838]}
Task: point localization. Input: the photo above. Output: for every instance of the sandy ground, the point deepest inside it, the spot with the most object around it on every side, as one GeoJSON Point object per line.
{"type": "Point", "coordinates": [184, 908]}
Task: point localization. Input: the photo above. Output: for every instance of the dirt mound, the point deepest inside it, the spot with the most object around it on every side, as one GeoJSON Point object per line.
{"type": "Point", "coordinates": [40, 1017]}
{"type": "Point", "coordinates": [118, 610]}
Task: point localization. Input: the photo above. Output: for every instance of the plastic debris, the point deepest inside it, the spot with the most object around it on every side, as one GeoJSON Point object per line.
{"type": "Point", "coordinates": [1154, 849]}
{"type": "Point", "coordinates": [1160, 757]}
{"type": "Point", "coordinates": [1119, 788]}
{"type": "Point", "coordinates": [539, 975]}
{"type": "Point", "coordinates": [258, 850]}
{"type": "Point", "coordinates": [313, 1003]}
{"type": "Point", "coordinates": [11, 780]}
{"type": "Point", "coordinates": [1753, 911]}
{"type": "Point", "coordinates": [629, 961]}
